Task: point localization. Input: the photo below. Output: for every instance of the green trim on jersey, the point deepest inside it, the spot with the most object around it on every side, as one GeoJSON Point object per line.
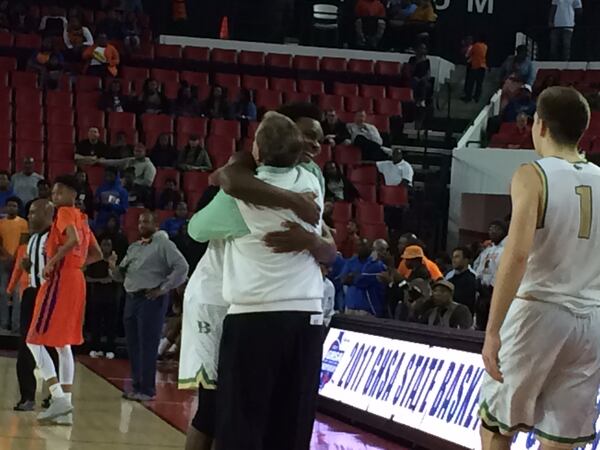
{"type": "Point", "coordinates": [544, 179]}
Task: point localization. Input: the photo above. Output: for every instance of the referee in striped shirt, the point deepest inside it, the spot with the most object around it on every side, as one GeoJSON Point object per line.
{"type": "Point", "coordinates": [40, 218]}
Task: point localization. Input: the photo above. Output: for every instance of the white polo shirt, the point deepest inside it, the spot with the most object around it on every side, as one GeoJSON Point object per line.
{"type": "Point", "coordinates": [565, 12]}
{"type": "Point", "coordinates": [394, 174]}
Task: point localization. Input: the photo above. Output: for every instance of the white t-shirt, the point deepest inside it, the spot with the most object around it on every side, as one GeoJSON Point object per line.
{"type": "Point", "coordinates": [486, 265]}
{"type": "Point", "coordinates": [328, 301]}
{"type": "Point", "coordinates": [395, 173]}
{"type": "Point", "coordinates": [565, 12]}
{"type": "Point", "coordinates": [100, 51]}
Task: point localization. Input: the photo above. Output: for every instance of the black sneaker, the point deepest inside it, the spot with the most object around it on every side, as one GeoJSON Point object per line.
{"type": "Point", "coordinates": [46, 402]}
{"type": "Point", "coordinates": [27, 405]}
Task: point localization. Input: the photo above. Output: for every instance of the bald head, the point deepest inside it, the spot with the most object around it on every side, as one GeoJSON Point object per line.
{"type": "Point", "coordinates": [41, 214]}
{"type": "Point", "coordinates": [380, 248]}
{"type": "Point", "coordinates": [147, 224]}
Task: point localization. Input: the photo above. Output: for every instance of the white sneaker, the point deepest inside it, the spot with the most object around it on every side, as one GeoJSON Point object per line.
{"type": "Point", "coordinates": [59, 407]}
{"type": "Point", "coordinates": [65, 421]}
{"type": "Point", "coordinates": [95, 354]}
{"type": "Point", "coordinates": [110, 355]}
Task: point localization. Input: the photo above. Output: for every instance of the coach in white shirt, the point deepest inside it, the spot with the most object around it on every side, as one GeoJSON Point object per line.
{"type": "Point", "coordinates": [366, 136]}
{"type": "Point", "coordinates": [397, 171]}
{"type": "Point", "coordinates": [562, 22]}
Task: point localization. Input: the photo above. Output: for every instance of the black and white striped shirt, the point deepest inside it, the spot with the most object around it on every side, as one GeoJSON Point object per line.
{"type": "Point", "coordinates": [36, 250]}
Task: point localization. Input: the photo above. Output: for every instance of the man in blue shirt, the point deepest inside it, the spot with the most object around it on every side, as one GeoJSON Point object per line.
{"type": "Point", "coordinates": [111, 198]}
{"type": "Point", "coordinates": [174, 224]}
{"type": "Point", "coordinates": [365, 294]}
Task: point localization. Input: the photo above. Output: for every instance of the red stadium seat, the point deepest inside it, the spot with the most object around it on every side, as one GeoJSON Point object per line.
{"type": "Point", "coordinates": [87, 100]}
{"type": "Point", "coordinates": [38, 165]}
{"type": "Point", "coordinates": [86, 83]}
{"type": "Point", "coordinates": [58, 168]}
{"type": "Point", "coordinates": [367, 212]}
{"type": "Point", "coordinates": [26, 80]}
{"type": "Point", "coordinates": [193, 125]}
{"type": "Point", "coordinates": [88, 118]}
{"type": "Point", "coordinates": [5, 113]}
{"type": "Point", "coordinates": [163, 174]}
{"type": "Point", "coordinates": [282, 61]}
{"type": "Point", "coordinates": [6, 130]}
{"type": "Point", "coordinates": [60, 134]}
{"type": "Point", "coordinates": [164, 75]}
{"type": "Point", "coordinates": [222, 56]}
{"type": "Point", "coordinates": [59, 99]}
{"type": "Point", "coordinates": [348, 155]}
{"type": "Point", "coordinates": [248, 58]}
{"type": "Point", "coordinates": [195, 78]}
{"type": "Point", "coordinates": [30, 149]}
{"type": "Point", "coordinates": [193, 198]}
{"type": "Point", "coordinates": [360, 66]}
{"type": "Point", "coordinates": [313, 87]}
{"type": "Point", "coordinates": [131, 135]}
{"type": "Point", "coordinates": [404, 94]}
{"type": "Point", "coordinates": [324, 156]}
{"type": "Point", "coordinates": [226, 128]}
{"type": "Point", "coordinates": [29, 132]}
{"type": "Point", "coordinates": [61, 152]}
{"type": "Point", "coordinates": [5, 150]}
{"type": "Point", "coordinates": [364, 175]}
{"type": "Point", "coordinates": [283, 84]}
{"type": "Point", "coordinates": [373, 231]}
{"type": "Point", "coordinates": [354, 104]}
{"type": "Point", "coordinates": [28, 97]}
{"type": "Point", "coordinates": [196, 53]}
{"type": "Point", "coordinates": [388, 106]}
{"type": "Point", "coordinates": [195, 181]}
{"type": "Point", "coordinates": [346, 117]}
{"type": "Point", "coordinates": [344, 89]}
{"type": "Point", "coordinates": [121, 121]}
{"type": "Point", "coordinates": [4, 79]}
{"type": "Point", "coordinates": [571, 77]}
{"type": "Point", "coordinates": [5, 96]}
{"type": "Point", "coordinates": [381, 122]}
{"type": "Point", "coordinates": [23, 40]}
{"type": "Point", "coordinates": [160, 123]}
{"type": "Point", "coordinates": [390, 68]}
{"type": "Point", "coordinates": [253, 82]}
{"type": "Point", "coordinates": [327, 102]}
{"type": "Point", "coordinates": [310, 63]}
{"type": "Point", "coordinates": [95, 175]}
{"type": "Point", "coordinates": [301, 97]}
{"type": "Point", "coordinates": [228, 80]}
{"type": "Point", "coordinates": [393, 195]}
{"type": "Point", "coordinates": [333, 64]}
{"type": "Point", "coordinates": [8, 63]}
{"type": "Point", "coordinates": [373, 91]}
{"type": "Point", "coordinates": [592, 77]}
{"type": "Point", "coordinates": [135, 73]}
{"type": "Point", "coordinates": [6, 39]}
{"type": "Point", "coordinates": [170, 89]}
{"type": "Point", "coordinates": [252, 127]}
{"type": "Point", "coordinates": [167, 51]}
{"type": "Point", "coordinates": [268, 100]}
{"type": "Point", "coordinates": [367, 192]}
{"type": "Point", "coordinates": [33, 115]}
{"type": "Point", "coordinates": [145, 52]}
{"type": "Point", "coordinates": [342, 212]}
{"type": "Point", "coordinates": [64, 83]}
{"type": "Point", "coordinates": [131, 217]}
{"type": "Point", "coordinates": [220, 145]}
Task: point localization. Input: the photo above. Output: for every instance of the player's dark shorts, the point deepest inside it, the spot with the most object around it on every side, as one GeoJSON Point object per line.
{"type": "Point", "coordinates": [205, 419]}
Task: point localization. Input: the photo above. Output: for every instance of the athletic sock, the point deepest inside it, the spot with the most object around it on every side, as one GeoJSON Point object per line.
{"type": "Point", "coordinates": [56, 391]}
{"type": "Point", "coordinates": [68, 396]}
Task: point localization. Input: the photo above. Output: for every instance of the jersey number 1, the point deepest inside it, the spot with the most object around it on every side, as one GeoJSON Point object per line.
{"type": "Point", "coordinates": [585, 211]}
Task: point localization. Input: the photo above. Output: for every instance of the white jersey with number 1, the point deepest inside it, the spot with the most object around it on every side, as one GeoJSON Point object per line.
{"type": "Point", "coordinates": [563, 265]}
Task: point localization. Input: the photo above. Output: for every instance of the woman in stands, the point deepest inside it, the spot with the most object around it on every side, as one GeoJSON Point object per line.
{"type": "Point", "coordinates": [216, 105]}
{"type": "Point", "coordinates": [187, 104]}
{"type": "Point", "coordinates": [337, 186]}
{"type": "Point", "coordinates": [152, 100]}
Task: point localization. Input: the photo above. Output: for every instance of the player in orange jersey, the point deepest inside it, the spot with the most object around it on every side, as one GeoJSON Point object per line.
{"type": "Point", "coordinates": [60, 303]}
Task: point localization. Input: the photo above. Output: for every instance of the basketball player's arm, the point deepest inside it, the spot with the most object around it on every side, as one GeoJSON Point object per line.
{"type": "Point", "coordinates": [71, 242]}
{"type": "Point", "coordinates": [238, 180]}
{"type": "Point", "coordinates": [296, 239]}
{"type": "Point", "coordinates": [526, 192]}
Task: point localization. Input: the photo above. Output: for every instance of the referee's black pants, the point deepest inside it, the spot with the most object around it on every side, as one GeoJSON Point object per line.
{"type": "Point", "coordinates": [25, 361]}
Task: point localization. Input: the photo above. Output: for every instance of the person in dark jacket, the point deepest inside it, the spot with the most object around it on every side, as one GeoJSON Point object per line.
{"type": "Point", "coordinates": [152, 100]}
{"type": "Point", "coordinates": [173, 224]}
{"type": "Point", "coordinates": [337, 186]}
{"type": "Point", "coordinates": [112, 231]}
{"type": "Point", "coordinates": [187, 103]}
{"type": "Point", "coordinates": [111, 197]}
{"type": "Point", "coordinates": [170, 197]}
{"type": "Point", "coordinates": [85, 195]}
{"type": "Point", "coordinates": [216, 105]}
{"type": "Point", "coordinates": [112, 99]}
{"type": "Point", "coordinates": [463, 277]}
{"type": "Point", "coordinates": [164, 153]}
{"type": "Point", "coordinates": [335, 131]}
{"type": "Point", "coordinates": [244, 108]}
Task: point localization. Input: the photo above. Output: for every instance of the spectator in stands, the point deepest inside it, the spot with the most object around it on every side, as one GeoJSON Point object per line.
{"type": "Point", "coordinates": [366, 136]}
{"type": "Point", "coordinates": [335, 131]}
{"type": "Point", "coordinates": [120, 149]}
{"type": "Point", "coordinates": [102, 59]}
{"type": "Point", "coordinates": [518, 66]}
{"type": "Point", "coordinates": [398, 11]}
{"type": "Point", "coordinates": [112, 231]}
{"type": "Point", "coordinates": [244, 108]}
{"type": "Point", "coordinates": [423, 12]}
{"type": "Point", "coordinates": [476, 69]}
{"type": "Point", "coordinates": [419, 68]}
{"type": "Point", "coordinates": [24, 184]}
{"type": "Point", "coordinates": [113, 99]}
{"type": "Point", "coordinates": [463, 277]}
{"type": "Point", "coordinates": [370, 23]}
{"type": "Point", "coordinates": [131, 32]}
{"type": "Point", "coordinates": [187, 103]}
{"type": "Point", "coordinates": [445, 312]}
{"type": "Point", "coordinates": [409, 302]}
{"type": "Point", "coordinates": [111, 26]}
{"type": "Point", "coordinates": [194, 156]}
{"type": "Point", "coordinates": [102, 308]}
{"type": "Point", "coordinates": [128, 179]}
{"type": "Point", "coordinates": [4, 23]}
{"type": "Point", "coordinates": [44, 191]}
{"type": "Point", "coordinates": [89, 150]}
{"type": "Point", "coordinates": [85, 196]}
{"type": "Point", "coordinates": [54, 23]}
{"type": "Point", "coordinates": [170, 197]}
{"type": "Point", "coordinates": [348, 246]}
{"type": "Point", "coordinates": [173, 224]}
{"type": "Point", "coordinates": [77, 37]}
{"type": "Point", "coordinates": [523, 103]}
{"type": "Point", "coordinates": [163, 153]}
{"type": "Point", "coordinates": [216, 106]}
{"type": "Point", "coordinates": [365, 294]}
{"type": "Point", "coordinates": [6, 190]}
{"type": "Point", "coordinates": [111, 198]}
{"type": "Point", "coordinates": [561, 23]}
{"type": "Point", "coordinates": [486, 266]}
{"type": "Point", "coordinates": [410, 240]}
{"type": "Point", "coordinates": [152, 100]}
{"type": "Point", "coordinates": [414, 260]}
{"type": "Point", "coordinates": [40, 60]}
{"type": "Point", "coordinates": [397, 171]}
{"type": "Point", "coordinates": [520, 135]}
{"type": "Point", "coordinates": [337, 186]}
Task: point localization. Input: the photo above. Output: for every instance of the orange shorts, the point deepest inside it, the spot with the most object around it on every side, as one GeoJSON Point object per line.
{"type": "Point", "coordinates": [59, 310]}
